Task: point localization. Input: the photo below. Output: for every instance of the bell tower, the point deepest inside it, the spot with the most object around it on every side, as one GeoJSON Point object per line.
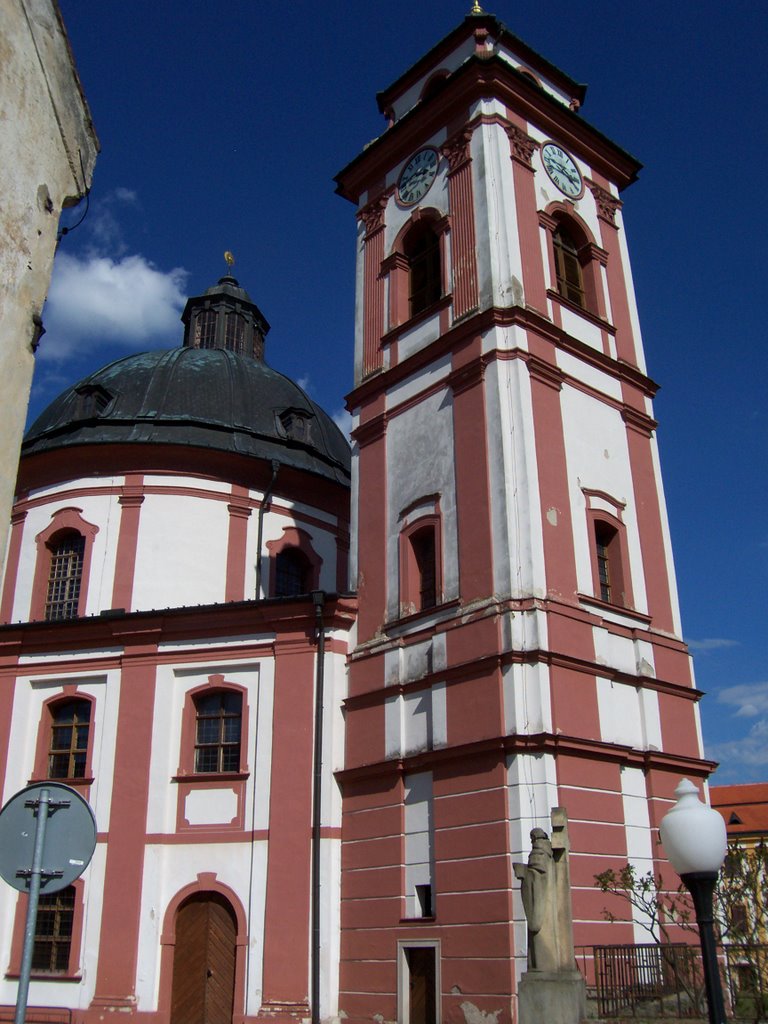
{"type": "Point", "coordinates": [519, 641]}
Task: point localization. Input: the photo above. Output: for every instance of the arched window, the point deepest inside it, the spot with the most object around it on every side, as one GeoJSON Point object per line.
{"type": "Point", "coordinates": [65, 575]}
{"type": "Point", "coordinates": [421, 248]}
{"type": "Point", "coordinates": [218, 722]}
{"type": "Point", "coordinates": [434, 86]}
{"type": "Point", "coordinates": [570, 280]}
{"type": "Point", "coordinates": [68, 747]}
{"type": "Point", "coordinates": [576, 262]}
{"type": "Point", "coordinates": [605, 537]}
{"type": "Point", "coordinates": [609, 566]}
{"type": "Point", "coordinates": [420, 565]}
{"type": "Point", "coordinates": [64, 549]}
{"type": "Point", "coordinates": [294, 565]}
{"type": "Point", "coordinates": [292, 571]}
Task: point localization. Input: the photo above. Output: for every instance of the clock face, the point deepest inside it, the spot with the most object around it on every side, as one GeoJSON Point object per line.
{"type": "Point", "coordinates": [561, 168]}
{"type": "Point", "coordinates": [417, 176]}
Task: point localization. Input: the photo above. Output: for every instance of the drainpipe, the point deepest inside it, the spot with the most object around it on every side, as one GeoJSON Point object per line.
{"type": "Point", "coordinates": [266, 501]}
{"type": "Point", "coordinates": [318, 600]}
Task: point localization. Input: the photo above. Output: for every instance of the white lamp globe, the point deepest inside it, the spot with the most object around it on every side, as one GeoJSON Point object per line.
{"type": "Point", "coordinates": [693, 835]}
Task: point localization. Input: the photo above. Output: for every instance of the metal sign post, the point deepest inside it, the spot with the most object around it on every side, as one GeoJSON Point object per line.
{"type": "Point", "coordinates": [45, 824]}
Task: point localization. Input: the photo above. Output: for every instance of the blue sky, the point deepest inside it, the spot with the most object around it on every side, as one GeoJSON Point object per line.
{"type": "Point", "coordinates": [222, 126]}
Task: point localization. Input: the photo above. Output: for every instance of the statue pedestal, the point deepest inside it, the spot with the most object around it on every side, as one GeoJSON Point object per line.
{"type": "Point", "coordinates": [551, 997]}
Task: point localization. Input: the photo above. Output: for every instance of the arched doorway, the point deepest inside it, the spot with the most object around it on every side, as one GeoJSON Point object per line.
{"type": "Point", "coordinates": [204, 961]}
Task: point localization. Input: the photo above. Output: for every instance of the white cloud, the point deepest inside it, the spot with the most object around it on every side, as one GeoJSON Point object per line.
{"type": "Point", "coordinates": [343, 421]}
{"type": "Point", "coordinates": [713, 643]}
{"type": "Point", "coordinates": [126, 301]}
{"type": "Point", "coordinates": [749, 699]}
{"type": "Point", "coordinates": [750, 751]}
{"type": "Point", "coordinates": [102, 227]}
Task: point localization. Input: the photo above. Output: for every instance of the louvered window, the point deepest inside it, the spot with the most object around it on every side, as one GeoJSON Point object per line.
{"type": "Point", "coordinates": [570, 280]}
{"type": "Point", "coordinates": [422, 250]}
{"type": "Point", "coordinates": [205, 329]}
{"type": "Point", "coordinates": [234, 337]}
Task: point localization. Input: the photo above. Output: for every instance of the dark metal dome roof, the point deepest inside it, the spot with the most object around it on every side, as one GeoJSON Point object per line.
{"type": "Point", "coordinates": [203, 398]}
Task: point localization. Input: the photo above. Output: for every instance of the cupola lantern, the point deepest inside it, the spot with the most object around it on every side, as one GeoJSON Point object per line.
{"type": "Point", "coordinates": [225, 317]}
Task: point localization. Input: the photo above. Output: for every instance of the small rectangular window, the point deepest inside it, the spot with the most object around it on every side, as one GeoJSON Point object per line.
{"type": "Point", "coordinates": [217, 735]}
{"type": "Point", "coordinates": [53, 931]}
{"type": "Point", "coordinates": [424, 900]}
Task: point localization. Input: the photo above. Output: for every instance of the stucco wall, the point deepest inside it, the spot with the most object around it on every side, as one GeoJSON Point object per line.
{"type": "Point", "coordinates": [48, 148]}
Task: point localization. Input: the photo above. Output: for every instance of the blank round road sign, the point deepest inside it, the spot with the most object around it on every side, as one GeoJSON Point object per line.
{"type": "Point", "coordinates": [70, 837]}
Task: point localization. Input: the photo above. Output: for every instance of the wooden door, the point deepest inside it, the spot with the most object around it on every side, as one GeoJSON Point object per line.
{"type": "Point", "coordinates": [204, 961]}
{"type": "Point", "coordinates": [421, 985]}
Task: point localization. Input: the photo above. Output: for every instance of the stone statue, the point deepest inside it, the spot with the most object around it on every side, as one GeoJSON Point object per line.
{"type": "Point", "coordinates": [552, 988]}
{"type": "Point", "coordinates": [539, 892]}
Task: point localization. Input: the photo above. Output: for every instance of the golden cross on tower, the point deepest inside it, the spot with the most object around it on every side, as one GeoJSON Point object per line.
{"type": "Point", "coordinates": [229, 259]}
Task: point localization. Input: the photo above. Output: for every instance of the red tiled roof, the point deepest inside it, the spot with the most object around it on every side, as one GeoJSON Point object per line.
{"type": "Point", "coordinates": [744, 807]}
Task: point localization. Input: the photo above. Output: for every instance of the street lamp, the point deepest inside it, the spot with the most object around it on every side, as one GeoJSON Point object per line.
{"type": "Point", "coordinates": [694, 840]}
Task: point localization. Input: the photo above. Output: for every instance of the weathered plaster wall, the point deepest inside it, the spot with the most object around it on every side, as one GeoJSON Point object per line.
{"type": "Point", "coordinates": [48, 148]}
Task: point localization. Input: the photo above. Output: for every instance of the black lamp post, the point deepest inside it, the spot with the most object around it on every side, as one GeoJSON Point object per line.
{"type": "Point", "coordinates": [695, 842]}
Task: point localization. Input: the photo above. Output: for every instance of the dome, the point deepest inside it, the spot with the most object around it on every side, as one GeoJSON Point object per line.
{"type": "Point", "coordinates": [200, 398]}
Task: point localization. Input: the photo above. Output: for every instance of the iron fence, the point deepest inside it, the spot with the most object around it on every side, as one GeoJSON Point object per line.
{"type": "Point", "coordinates": [645, 980]}
{"type": "Point", "coordinates": [666, 981]}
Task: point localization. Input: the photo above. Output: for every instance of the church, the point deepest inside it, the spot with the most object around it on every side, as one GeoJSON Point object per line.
{"type": "Point", "coordinates": [318, 697]}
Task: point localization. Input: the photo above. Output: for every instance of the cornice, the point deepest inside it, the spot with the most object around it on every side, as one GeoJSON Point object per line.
{"type": "Point", "coordinates": [465, 377]}
{"type": "Point", "coordinates": [539, 743]}
{"type": "Point", "coordinates": [145, 629]}
{"type": "Point", "coordinates": [482, 321]}
{"type": "Point", "coordinates": [546, 373]}
{"type": "Point", "coordinates": [372, 430]}
{"type": "Point", "coordinates": [481, 27]}
{"type": "Point", "coordinates": [474, 80]}
{"type": "Point", "coordinates": [58, 467]}
{"type": "Point", "coordinates": [395, 261]}
{"type": "Point", "coordinates": [638, 421]}
{"type": "Point", "coordinates": [495, 660]}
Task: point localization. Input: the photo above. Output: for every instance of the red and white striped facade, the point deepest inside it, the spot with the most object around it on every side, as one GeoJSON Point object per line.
{"type": "Point", "coordinates": [511, 421]}
{"type": "Point", "coordinates": [508, 424]}
{"type": "Point", "coordinates": [182, 540]}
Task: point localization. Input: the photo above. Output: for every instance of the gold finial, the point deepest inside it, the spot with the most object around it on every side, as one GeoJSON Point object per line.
{"type": "Point", "coordinates": [229, 259]}
{"type": "Point", "coordinates": [476, 8]}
